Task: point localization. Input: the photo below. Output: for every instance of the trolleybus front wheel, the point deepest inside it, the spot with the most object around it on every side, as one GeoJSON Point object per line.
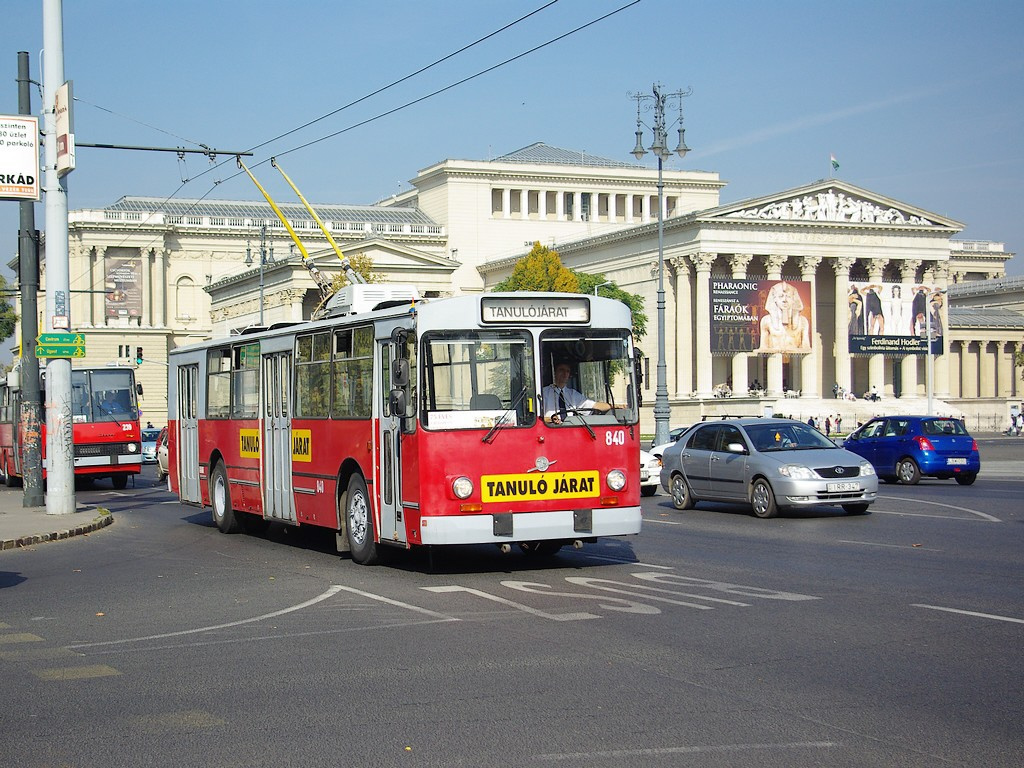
{"type": "Point", "coordinates": [359, 522]}
{"type": "Point", "coordinates": [220, 500]}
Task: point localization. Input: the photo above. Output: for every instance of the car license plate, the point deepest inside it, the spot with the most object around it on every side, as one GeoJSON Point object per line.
{"type": "Point", "coordinates": [951, 462]}
{"type": "Point", "coordinates": [840, 487]}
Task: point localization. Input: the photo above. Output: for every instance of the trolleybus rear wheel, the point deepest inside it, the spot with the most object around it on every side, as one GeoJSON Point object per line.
{"type": "Point", "coordinates": [359, 522]}
{"type": "Point", "coordinates": [220, 501]}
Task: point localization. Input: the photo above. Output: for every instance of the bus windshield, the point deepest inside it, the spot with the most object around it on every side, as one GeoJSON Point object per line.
{"type": "Point", "coordinates": [103, 396]}
{"type": "Point", "coordinates": [472, 378]}
{"type": "Point", "coordinates": [600, 364]}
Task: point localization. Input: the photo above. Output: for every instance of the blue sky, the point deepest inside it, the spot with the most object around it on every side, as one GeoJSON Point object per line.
{"type": "Point", "coordinates": [919, 101]}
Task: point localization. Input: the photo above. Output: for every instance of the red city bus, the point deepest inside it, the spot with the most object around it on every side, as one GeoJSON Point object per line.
{"type": "Point", "coordinates": [105, 425]}
{"type": "Point", "coordinates": [418, 423]}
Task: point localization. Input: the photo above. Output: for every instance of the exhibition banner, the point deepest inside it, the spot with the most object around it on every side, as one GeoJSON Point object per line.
{"type": "Point", "coordinates": [760, 316]}
{"type": "Point", "coordinates": [893, 318]}
{"type": "Point", "coordinates": [123, 286]}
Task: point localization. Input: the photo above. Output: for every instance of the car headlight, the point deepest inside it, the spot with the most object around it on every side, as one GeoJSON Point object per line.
{"type": "Point", "coordinates": [797, 472]}
{"type": "Point", "coordinates": [462, 487]}
{"type": "Point", "coordinates": [866, 469]}
{"type": "Point", "coordinates": [616, 479]}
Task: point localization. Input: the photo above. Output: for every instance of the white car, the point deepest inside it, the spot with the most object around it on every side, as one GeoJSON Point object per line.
{"type": "Point", "coordinates": [650, 473]}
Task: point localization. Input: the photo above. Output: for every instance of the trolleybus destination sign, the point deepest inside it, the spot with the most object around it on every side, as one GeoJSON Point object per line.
{"type": "Point", "coordinates": [534, 309]}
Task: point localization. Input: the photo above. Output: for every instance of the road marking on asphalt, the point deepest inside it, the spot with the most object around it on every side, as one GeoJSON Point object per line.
{"type": "Point", "coordinates": [400, 604]}
{"type": "Point", "coordinates": [38, 654]}
{"type": "Point", "coordinates": [969, 613]}
{"type": "Point", "coordinates": [75, 673]}
{"type": "Point", "coordinates": [621, 561]}
{"type": "Point", "coordinates": [892, 546]}
{"type": "Point", "coordinates": [319, 598]}
{"type": "Point", "coordinates": [511, 604]}
{"type": "Point", "coordinates": [186, 720]}
{"type": "Point", "coordinates": [699, 750]}
{"type": "Point", "coordinates": [982, 515]}
{"type": "Point", "coordinates": [19, 637]}
{"type": "Point", "coordinates": [662, 522]}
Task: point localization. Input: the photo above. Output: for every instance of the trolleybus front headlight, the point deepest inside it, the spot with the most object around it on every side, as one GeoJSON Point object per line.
{"type": "Point", "coordinates": [616, 479]}
{"type": "Point", "coordinates": [132, 447]}
{"type": "Point", "coordinates": [462, 487]}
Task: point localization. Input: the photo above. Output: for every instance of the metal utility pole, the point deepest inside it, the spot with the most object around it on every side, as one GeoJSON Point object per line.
{"type": "Point", "coordinates": [662, 409]}
{"type": "Point", "coordinates": [60, 469]}
{"type": "Point", "coordinates": [28, 280]}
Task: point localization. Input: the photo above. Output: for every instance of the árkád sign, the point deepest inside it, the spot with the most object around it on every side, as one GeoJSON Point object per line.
{"type": "Point", "coordinates": [19, 157]}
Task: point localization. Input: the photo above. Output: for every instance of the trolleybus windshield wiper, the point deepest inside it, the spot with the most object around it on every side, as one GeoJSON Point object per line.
{"type": "Point", "coordinates": [503, 419]}
{"type": "Point", "coordinates": [579, 414]}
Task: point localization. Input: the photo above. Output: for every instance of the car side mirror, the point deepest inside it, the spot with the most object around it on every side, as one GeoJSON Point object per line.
{"type": "Point", "coordinates": [736, 448]}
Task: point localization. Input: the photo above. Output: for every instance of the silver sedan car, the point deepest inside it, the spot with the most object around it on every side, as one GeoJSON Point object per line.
{"type": "Point", "coordinates": [770, 464]}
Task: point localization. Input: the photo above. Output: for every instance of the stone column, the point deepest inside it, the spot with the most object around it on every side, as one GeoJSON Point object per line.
{"type": "Point", "coordinates": [940, 276]}
{"type": "Point", "coordinates": [1005, 369]}
{"type": "Point", "coordinates": [957, 350]}
{"type": "Point", "coordinates": [773, 265]}
{"type": "Point", "coordinates": [577, 206]}
{"type": "Point", "coordinates": [506, 203]}
{"type": "Point", "coordinates": [162, 288]}
{"type": "Point", "coordinates": [560, 205]}
{"type": "Point", "coordinates": [810, 372]}
{"type": "Point", "coordinates": [149, 288]}
{"type": "Point", "coordinates": [683, 384]}
{"type": "Point", "coordinates": [524, 203]}
{"type": "Point", "coordinates": [739, 262]}
{"type": "Point", "coordinates": [542, 204]}
{"type": "Point", "coordinates": [876, 363]}
{"type": "Point", "coordinates": [703, 262]}
{"type": "Point", "coordinates": [613, 209]}
{"type": "Point", "coordinates": [96, 285]}
{"type": "Point", "coordinates": [908, 365]}
{"type": "Point", "coordinates": [988, 352]}
{"type": "Point", "coordinates": [842, 268]}
{"type": "Point", "coordinates": [645, 209]}
{"type": "Point", "coordinates": [630, 202]}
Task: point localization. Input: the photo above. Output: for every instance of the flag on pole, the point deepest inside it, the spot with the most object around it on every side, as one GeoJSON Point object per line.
{"type": "Point", "coordinates": [835, 163]}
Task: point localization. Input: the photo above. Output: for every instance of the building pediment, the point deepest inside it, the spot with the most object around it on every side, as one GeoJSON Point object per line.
{"type": "Point", "coordinates": [835, 202]}
{"type": "Point", "coordinates": [387, 255]}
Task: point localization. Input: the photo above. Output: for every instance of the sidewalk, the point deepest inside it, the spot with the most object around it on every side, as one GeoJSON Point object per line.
{"type": "Point", "coordinates": [22, 527]}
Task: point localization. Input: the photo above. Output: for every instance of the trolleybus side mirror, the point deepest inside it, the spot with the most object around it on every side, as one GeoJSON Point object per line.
{"type": "Point", "coordinates": [138, 389]}
{"type": "Point", "coordinates": [400, 373]}
{"type": "Point", "coordinates": [398, 402]}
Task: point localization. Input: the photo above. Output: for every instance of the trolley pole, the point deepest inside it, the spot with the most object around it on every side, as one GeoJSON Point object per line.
{"type": "Point", "coordinates": [60, 470]}
{"type": "Point", "coordinates": [28, 281]}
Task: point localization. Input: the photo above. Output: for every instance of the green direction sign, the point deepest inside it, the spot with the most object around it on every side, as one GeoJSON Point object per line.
{"type": "Point", "coordinates": [60, 350]}
{"type": "Point", "coordinates": [66, 339]}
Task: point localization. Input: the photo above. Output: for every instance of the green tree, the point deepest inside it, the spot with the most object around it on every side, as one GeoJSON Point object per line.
{"type": "Point", "coordinates": [8, 315]}
{"type": "Point", "coordinates": [540, 270]}
{"type": "Point", "coordinates": [362, 265]}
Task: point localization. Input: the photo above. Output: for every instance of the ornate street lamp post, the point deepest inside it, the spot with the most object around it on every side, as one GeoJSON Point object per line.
{"type": "Point", "coordinates": [662, 410]}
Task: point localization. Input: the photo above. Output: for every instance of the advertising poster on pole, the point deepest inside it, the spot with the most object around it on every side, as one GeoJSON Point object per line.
{"type": "Point", "coordinates": [760, 316]}
{"type": "Point", "coordinates": [19, 157]}
{"type": "Point", "coordinates": [894, 318]}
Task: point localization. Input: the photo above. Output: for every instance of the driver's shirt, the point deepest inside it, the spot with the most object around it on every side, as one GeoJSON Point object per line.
{"type": "Point", "coordinates": [573, 399]}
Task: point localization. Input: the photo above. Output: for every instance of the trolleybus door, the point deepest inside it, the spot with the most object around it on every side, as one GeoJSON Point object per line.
{"type": "Point", "coordinates": [188, 433]}
{"type": "Point", "coordinates": [392, 527]}
{"type": "Point", "coordinates": [278, 501]}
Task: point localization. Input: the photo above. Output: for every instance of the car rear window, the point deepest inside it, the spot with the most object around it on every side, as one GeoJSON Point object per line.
{"type": "Point", "coordinates": [943, 427]}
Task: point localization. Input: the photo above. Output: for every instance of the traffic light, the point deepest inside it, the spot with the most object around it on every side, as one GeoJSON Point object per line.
{"type": "Point", "coordinates": [138, 355]}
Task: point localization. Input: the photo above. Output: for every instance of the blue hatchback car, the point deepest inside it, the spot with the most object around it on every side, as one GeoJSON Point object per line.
{"type": "Point", "coordinates": [907, 448]}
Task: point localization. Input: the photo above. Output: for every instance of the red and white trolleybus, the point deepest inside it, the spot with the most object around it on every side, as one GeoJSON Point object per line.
{"type": "Point", "coordinates": [407, 423]}
{"type": "Point", "coordinates": [104, 417]}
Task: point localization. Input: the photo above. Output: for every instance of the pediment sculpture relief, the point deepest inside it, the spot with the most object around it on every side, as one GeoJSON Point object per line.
{"type": "Point", "coordinates": [831, 206]}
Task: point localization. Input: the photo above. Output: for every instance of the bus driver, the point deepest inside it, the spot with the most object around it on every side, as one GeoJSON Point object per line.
{"type": "Point", "coordinates": [560, 399]}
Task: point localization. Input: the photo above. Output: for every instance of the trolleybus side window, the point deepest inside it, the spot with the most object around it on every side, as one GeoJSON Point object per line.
{"type": "Point", "coordinates": [470, 378]}
{"type": "Point", "coordinates": [218, 384]}
{"type": "Point", "coordinates": [245, 385]}
{"type": "Point", "coordinates": [313, 375]}
{"type": "Point", "coordinates": [353, 373]}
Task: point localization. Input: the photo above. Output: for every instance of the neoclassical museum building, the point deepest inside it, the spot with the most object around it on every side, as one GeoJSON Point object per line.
{"type": "Point", "coordinates": [784, 300]}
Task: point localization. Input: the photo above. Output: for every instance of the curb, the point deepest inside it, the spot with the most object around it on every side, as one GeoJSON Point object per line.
{"type": "Point", "coordinates": [102, 521]}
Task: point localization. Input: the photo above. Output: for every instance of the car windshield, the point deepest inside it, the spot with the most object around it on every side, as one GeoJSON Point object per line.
{"type": "Point", "coordinates": [787, 437]}
{"type": "Point", "coordinates": [943, 427]}
{"type": "Point", "coordinates": [150, 435]}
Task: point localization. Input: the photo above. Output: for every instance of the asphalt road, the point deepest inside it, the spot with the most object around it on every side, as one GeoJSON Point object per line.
{"type": "Point", "coordinates": [712, 639]}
